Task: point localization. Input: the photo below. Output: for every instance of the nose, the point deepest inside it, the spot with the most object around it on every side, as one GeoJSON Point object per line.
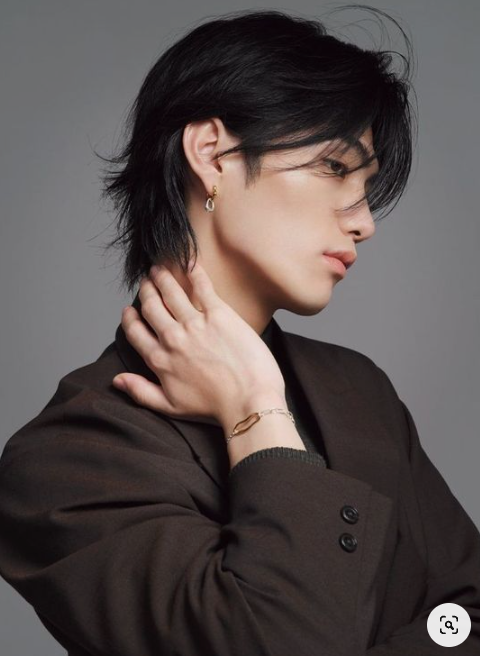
{"type": "Point", "coordinates": [361, 225]}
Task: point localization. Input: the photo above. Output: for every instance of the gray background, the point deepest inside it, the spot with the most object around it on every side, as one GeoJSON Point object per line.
{"type": "Point", "coordinates": [70, 70]}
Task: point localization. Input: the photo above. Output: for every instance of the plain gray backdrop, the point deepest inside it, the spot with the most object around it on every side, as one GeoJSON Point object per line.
{"type": "Point", "coordinates": [69, 72]}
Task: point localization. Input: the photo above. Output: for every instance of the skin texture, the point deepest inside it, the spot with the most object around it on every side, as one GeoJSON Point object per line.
{"type": "Point", "coordinates": [262, 245]}
{"type": "Point", "coordinates": [260, 250]}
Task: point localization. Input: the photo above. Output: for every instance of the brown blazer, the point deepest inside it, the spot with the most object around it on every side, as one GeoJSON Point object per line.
{"type": "Point", "coordinates": [129, 535]}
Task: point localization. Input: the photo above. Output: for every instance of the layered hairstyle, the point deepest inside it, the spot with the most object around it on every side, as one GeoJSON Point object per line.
{"type": "Point", "coordinates": [277, 81]}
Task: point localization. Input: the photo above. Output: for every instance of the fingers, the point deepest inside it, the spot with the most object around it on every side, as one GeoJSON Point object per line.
{"type": "Point", "coordinates": [144, 392]}
{"type": "Point", "coordinates": [173, 296]}
{"type": "Point", "coordinates": [153, 307]}
{"type": "Point", "coordinates": [138, 335]}
{"type": "Point", "coordinates": [164, 301]}
{"type": "Point", "coordinates": [203, 288]}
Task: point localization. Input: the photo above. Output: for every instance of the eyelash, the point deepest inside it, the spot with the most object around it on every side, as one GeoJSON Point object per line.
{"type": "Point", "coordinates": [343, 167]}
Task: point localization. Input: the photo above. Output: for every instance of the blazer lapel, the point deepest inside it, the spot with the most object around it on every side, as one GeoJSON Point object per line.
{"type": "Point", "coordinates": [356, 441]}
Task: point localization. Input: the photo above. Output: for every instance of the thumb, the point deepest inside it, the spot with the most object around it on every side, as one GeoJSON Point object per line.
{"type": "Point", "coordinates": [144, 392]}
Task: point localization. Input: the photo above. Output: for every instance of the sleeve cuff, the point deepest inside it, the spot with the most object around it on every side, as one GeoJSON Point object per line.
{"type": "Point", "coordinates": [281, 452]}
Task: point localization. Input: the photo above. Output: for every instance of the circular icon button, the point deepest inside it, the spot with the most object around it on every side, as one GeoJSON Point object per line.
{"type": "Point", "coordinates": [449, 625]}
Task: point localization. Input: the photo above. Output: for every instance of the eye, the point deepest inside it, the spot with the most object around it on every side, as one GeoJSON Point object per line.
{"type": "Point", "coordinates": [338, 168]}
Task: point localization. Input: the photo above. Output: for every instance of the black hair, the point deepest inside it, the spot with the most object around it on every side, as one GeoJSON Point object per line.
{"type": "Point", "coordinates": [270, 77]}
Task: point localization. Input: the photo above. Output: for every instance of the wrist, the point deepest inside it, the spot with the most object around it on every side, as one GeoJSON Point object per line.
{"type": "Point", "coordinates": [256, 402]}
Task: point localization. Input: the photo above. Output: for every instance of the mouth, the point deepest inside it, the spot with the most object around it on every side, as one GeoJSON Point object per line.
{"type": "Point", "coordinates": [337, 265]}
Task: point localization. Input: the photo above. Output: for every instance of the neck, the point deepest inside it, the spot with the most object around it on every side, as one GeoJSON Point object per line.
{"type": "Point", "coordinates": [235, 291]}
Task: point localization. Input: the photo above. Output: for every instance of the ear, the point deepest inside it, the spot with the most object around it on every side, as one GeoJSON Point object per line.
{"type": "Point", "coordinates": [202, 141]}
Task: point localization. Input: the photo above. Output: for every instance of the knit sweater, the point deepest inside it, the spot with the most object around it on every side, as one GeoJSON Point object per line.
{"type": "Point", "coordinates": [298, 405]}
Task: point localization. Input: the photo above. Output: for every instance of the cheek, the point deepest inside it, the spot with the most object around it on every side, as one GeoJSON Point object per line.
{"type": "Point", "coordinates": [286, 208]}
{"type": "Point", "coordinates": [279, 226]}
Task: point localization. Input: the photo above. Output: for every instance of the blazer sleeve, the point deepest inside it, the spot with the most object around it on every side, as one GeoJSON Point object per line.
{"type": "Point", "coordinates": [453, 552]}
{"type": "Point", "coordinates": [117, 556]}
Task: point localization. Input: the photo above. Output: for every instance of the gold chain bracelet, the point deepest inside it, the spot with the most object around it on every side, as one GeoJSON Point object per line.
{"type": "Point", "coordinates": [256, 416]}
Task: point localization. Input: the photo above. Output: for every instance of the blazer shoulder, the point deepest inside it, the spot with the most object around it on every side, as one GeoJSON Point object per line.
{"type": "Point", "coordinates": [87, 408]}
{"type": "Point", "coordinates": [358, 367]}
{"type": "Point", "coordinates": [368, 381]}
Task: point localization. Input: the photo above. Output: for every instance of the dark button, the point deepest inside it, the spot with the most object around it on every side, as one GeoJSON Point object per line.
{"type": "Point", "coordinates": [348, 542]}
{"type": "Point", "coordinates": [350, 514]}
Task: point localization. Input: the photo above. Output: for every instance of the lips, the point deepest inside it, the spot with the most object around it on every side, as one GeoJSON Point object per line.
{"type": "Point", "coordinates": [346, 257]}
{"type": "Point", "coordinates": [336, 264]}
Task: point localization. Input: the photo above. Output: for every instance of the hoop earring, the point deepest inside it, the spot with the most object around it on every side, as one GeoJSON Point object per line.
{"type": "Point", "coordinates": [210, 204]}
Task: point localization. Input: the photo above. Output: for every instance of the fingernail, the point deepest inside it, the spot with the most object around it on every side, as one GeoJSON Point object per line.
{"type": "Point", "coordinates": [120, 383]}
{"type": "Point", "coordinates": [155, 269]}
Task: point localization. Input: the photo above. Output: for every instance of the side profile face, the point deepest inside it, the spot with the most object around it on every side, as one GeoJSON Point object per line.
{"type": "Point", "coordinates": [263, 244]}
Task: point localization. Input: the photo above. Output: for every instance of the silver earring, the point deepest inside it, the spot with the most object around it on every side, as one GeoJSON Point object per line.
{"type": "Point", "coordinates": [210, 204]}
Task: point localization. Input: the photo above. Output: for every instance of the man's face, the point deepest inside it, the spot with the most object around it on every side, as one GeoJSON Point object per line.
{"type": "Point", "coordinates": [273, 233]}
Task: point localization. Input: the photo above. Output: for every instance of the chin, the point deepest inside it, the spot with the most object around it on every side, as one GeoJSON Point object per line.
{"type": "Point", "coordinates": [307, 305]}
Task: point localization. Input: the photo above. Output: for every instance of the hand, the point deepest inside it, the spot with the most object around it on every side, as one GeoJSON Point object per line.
{"type": "Point", "coordinates": [209, 361]}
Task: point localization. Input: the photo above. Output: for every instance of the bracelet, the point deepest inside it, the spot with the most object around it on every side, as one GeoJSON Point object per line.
{"type": "Point", "coordinates": [256, 416]}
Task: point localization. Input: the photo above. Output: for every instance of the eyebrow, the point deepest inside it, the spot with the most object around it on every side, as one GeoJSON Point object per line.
{"type": "Point", "coordinates": [362, 150]}
{"type": "Point", "coordinates": [359, 147]}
